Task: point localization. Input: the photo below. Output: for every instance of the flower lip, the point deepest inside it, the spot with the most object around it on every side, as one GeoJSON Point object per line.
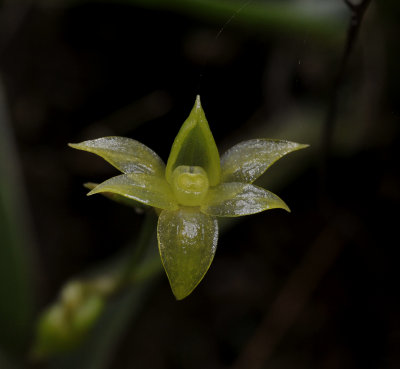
{"type": "Point", "coordinates": [190, 185]}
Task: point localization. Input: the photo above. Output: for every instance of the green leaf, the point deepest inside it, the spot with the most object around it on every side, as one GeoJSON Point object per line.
{"type": "Point", "coordinates": [187, 240]}
{"type": "Point", "coordinates": [145, 188]}
{"type": "Point", "coordinates": [195, 146]}
{"type": "Point", "coordinates": [127, 155]}
{"type": "Point", "coordinates": [236, 199]}
{"type": "Point", "coordinates": [248, 160]}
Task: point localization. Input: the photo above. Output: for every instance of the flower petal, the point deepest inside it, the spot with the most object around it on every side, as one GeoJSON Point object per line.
{"type": "Point", "coordinates": [127, 155]}
{"type": "Point", "coordinates": [187, 240]}
{"type": "Point", "coordinates": [116, 197]}
{"type": "Point", "coordinates": [195, 146]}
{"type": "Point", "coordinates": [246, 161]}
{"type": "Point", "coordinates": [236, 199]}
{"type": "Point", "coordinates": [145, 188]}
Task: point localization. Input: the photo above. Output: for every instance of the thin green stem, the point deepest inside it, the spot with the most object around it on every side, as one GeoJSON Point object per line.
{"type": "Point", "coordinates": [138, 264]}
{"type": "Point", "coordinates": [353, 29]}
{"type": "Point", "coordinates": [143, 242]}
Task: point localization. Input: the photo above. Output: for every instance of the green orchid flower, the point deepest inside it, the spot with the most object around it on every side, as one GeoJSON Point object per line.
{"type": "Point", "coordinates": [191, 191]}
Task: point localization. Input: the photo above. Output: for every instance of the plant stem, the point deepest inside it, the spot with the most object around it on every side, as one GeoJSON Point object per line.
{"type": "Point", "coordinates": [144, 240]}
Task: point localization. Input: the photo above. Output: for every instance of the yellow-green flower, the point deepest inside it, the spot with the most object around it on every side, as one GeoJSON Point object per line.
{"type": "Point", "coordinates": [194, 188]}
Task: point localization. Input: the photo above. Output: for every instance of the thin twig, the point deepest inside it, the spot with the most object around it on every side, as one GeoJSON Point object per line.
{"type": "Point", "coordinates": [357, 14]}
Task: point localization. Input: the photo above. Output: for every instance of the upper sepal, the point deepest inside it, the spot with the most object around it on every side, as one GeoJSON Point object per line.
{"type": "Point", "coordinates": [248, 160]}
{"type": "Point", "coordinates": [195, 146]}
{"type": "Point", "coordinates": [126, 154]}
{"type": "Point", "coordinates": [187, 241]}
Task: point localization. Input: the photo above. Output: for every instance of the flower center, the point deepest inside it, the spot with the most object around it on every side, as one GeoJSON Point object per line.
{"type": "Point", "coordinates": [190, 185]}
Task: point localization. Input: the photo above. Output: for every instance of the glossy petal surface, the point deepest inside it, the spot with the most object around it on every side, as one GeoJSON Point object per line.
{"type": "Point", "coordinates": [187, 240]}
{"type": "Point", "coordinates": [236, 199]}
{"type": "Point", "coordinates": [195, 146]}
{"type": "Point", "coordinates": [145, 188]}
{"type": "Point", "coordinates": [127, 155]}
{"type": "Point", "coordinates": [248, 160]}
{"type": "Point", "coordinates": [116, 197]}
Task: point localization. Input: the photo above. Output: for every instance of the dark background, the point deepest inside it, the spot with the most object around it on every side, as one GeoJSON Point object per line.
{"type": "Point", "coordinates": [316, 288]}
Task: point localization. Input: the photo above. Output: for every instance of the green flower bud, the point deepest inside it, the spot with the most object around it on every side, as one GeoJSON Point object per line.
{"type": "Point", "coordinates": [63, 326]}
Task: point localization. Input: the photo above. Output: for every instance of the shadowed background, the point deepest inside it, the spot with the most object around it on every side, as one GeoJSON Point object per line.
{"type": "Point", "coordinates": [316, 288]}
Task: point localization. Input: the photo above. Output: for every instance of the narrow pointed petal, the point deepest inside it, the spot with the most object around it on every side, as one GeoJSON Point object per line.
{"type": "Point", "coordinates": [127, 155]}
{"type": "Point", "coordinates": [248, 160]}
{"type": "Point", "coordinates": [116, 197]}
{"type": "Point", "coordinates": [145, 188]}
{"type": "Point", "coordinates": [187, 240]}
{"type": "Point", "coordinates": [195, 146]}
{"type": "Point", "coordinates": [236, 199]}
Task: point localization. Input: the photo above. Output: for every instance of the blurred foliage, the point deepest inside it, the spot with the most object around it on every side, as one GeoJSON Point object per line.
{"type": "Point", "coordinates": [16, 297]}
{"type": "Point", "coordinates": [320, 20]}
